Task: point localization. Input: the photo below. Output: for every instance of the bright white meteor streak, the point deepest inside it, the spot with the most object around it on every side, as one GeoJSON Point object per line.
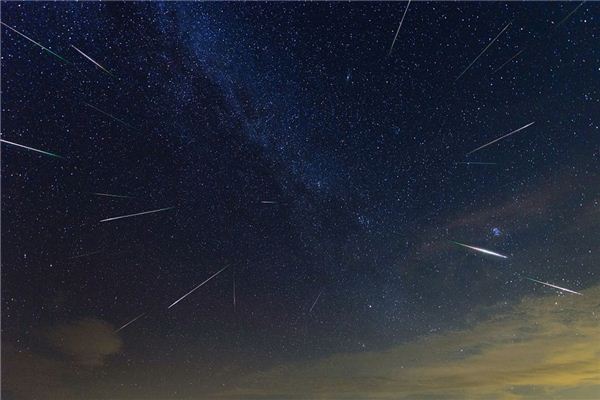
{"type": "Point", "coordinates": [501, 137]}
{"type": "Point", "coordinates": [34, 42]}
{"type": "Point", "coordinates": [197, 287]}
{"type": "Point", "coordinates": [31, 148]}
{"type": "Point", "coordinates": [480, 250]}
{"type": "Point", "coordinates": [554, 286]}
{"type": "Point", "coordinates": [136, 214]}
{"type": "Point", "coordinates": [317, 299]}
{"type": "Point", "coordinates": [130, 322]}
{"type": "Point", "coordinates": [482, 51]}
{"type": "Point", "coordinates": [398, 31]}
{"type": "Point", "coordinates": [90, 58]}
{"type": "Point", "coordinates": [112, 195]}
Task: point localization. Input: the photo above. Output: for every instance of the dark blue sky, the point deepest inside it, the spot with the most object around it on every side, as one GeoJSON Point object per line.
{"type": "Point", "coordinates": [217, 107]}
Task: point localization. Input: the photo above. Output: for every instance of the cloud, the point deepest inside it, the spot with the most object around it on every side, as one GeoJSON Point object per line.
{"type": "Point", "coordinates": [87, 342]}
{"type": "Point", "coordinates": [545, 347]}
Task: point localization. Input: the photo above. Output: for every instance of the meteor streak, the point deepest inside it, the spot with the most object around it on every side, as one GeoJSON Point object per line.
{"type": "Point", "coordinates": [90, 58]}
{"type": "Point", "coordinates": [501, 137]}
{"type": "Point", "coordinates": [398, 31]}
{"type": "Point", "coordinates": [197, 287]}
{"type": "Point", "coordinates": [36, 43]}
{"type": "Point", "coordinates": [136, 214]}
{"type": "Point", "coordinates": [131, 322]}
{"type": "Point", "coordinates": [554, 286]}
{"type": "Point", "coordinates": [110, 115]}
{"type": "Point", "coordinates": [479, 249]}
{"type": "Point", "coordinates": [234, 290]}
{"type": "Point", "coordinates": [562, 21]}
{"type": "Point", "coordinates": [268, 202]}
{"type": "Point", "coordinates": [85, 254]}
{"type": "Point", "coordinates": [31, 148]}
{"type": "Point", "coordinates": [476, 163]}
{"type": "Point", "coordinates": [480, 54]}
{"type": "Point", "coordinates": [317, 299]}
{"type": "Point", "coordinates": [112, 195]}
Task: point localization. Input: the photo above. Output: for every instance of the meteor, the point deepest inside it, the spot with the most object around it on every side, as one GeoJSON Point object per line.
{"type": "Point", "coordinates": [36, 43]}
{"type": "Point", "coordinates": [476, 163]}
{"type": "Point", "coordinates": [569, 15]}
{"type": "Point", "coordinates": [136, 214]}
{"type": "Point", "coordinates": [483, 51]}
{"type": "Point", "coordinates": [110, 115]}
{"type": "Point", "coordinates": [90, 58]}
{"type": "Point", "coordinates": [479, 249]}
{"type": "Point", "coordinates": [31, 148]}
{"type": "Point", "coordinates": [85, 254]}
{"type": "Point", "coordinates": [554, 286]}
{"type": "Point", "coordinates": [501, 137]}
{"type": "Point", "coordinates": [268, 202]}
{"type": "Point", "coordinates": [197, 287]}
{"type": "Point", "coordinates": [234, 290]}
{"type": "Point", "coordinates": [130, 322]}
{"type": "Point", "coordinates": [317, 299]}
{"type": "Point", "coordinates": [112, 195]}
{"type": "Point", "coordinates": [398, 31]}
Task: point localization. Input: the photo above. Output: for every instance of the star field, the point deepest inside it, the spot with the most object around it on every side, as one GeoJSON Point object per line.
{"type": "Point", "coordinates": [329, 176]}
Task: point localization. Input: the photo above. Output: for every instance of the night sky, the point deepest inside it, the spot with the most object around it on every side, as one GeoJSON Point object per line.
{"type": "Point", "coordinates": [328, 173]}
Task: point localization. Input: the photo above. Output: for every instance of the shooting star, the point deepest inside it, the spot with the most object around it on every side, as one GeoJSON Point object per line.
{"type": "Point", "coordinates": [554, 286]}
{"type": "Point", "coordinates": [92, 60]}
{"type": "Point", "coordinates": [31, 148]}
{"type": "Point", "coordinates": [85, 254]}
{"type": "Point", "coordinates": [398, 31]}
{"type": "Point", "coordinates": [110, 115]}
{"type": "Point", "coordinates": [112, 195]}
{"type": "Point", "coordinates": [483, 51]}
{"type": "Point", "coordinates": [136, 214]}
{"type": "Point", "coordinates": [479, 249]}
{"type": "Point", "coordinates": [501, 137]}
{"type": "Point", "coordinates": [268, 202]}
{"type": "Point", "coordinates": [36, 43]}
{"type": "Point", "coordinates": [234, 289]}
{"type": "Point", "coordinates": [476, 163]}
{"type": "Point", "coordinates": [509, 60]}
{"type": "Point", "coordinates": [562, 21]}
{"type": "Point", "coordinates": [315, 302]}
{"type": "Point", "coordinates": [197, 287]}
{"type": "Point", "coordinates": [130, 322]}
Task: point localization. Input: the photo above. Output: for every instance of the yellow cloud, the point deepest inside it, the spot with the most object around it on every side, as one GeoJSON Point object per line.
{"type": "Point", "coordinates": [544, 348]}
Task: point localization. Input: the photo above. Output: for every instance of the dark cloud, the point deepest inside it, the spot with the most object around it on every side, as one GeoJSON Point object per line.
{"type": "Point", "coordinates": [88, 342]}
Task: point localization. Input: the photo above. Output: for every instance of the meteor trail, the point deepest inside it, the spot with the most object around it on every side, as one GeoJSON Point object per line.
{"type": "Point", "coordinates": [197, 287]}
{"type": "Point", "coordinates": [110, 115]}
{"type": "Point", "coordinates": [268, 202]}
{"type": "Point", "coordinates": [554, 286]}
{"type": "Point", "coordinates": [509, 60]}
{"type": "Point", "coordinates": [36, 43]}
{"type": "Point", "coordinates": [234, 289]}
{"type": "Point", "coordinates": [480, 249]}
{"type": "Point", "coordinates": [90, 58]}
{"type": "Point", "coordinates": [476, 163]}
{"type": "Point", "coordinates": [398, 31]}
{"type": "Point", "coordinates": [317, 299]}
{"type": "Point", "coordinates": [131, 322]}
{"type": "Point", "coordinates": [562, 21]}
{"type": "Point", "coordinates": [136, 214]}
{"type": "Point", "coordinates": [85, 254]}
{"type": "Point", "coordinates": [501, 137]}
{"type": "Point", "coordinates": [112, 195]}
{"type": "Point", "coordinates": [31, 148]}
{"type": "Point", "coordinates": [480, 54]}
